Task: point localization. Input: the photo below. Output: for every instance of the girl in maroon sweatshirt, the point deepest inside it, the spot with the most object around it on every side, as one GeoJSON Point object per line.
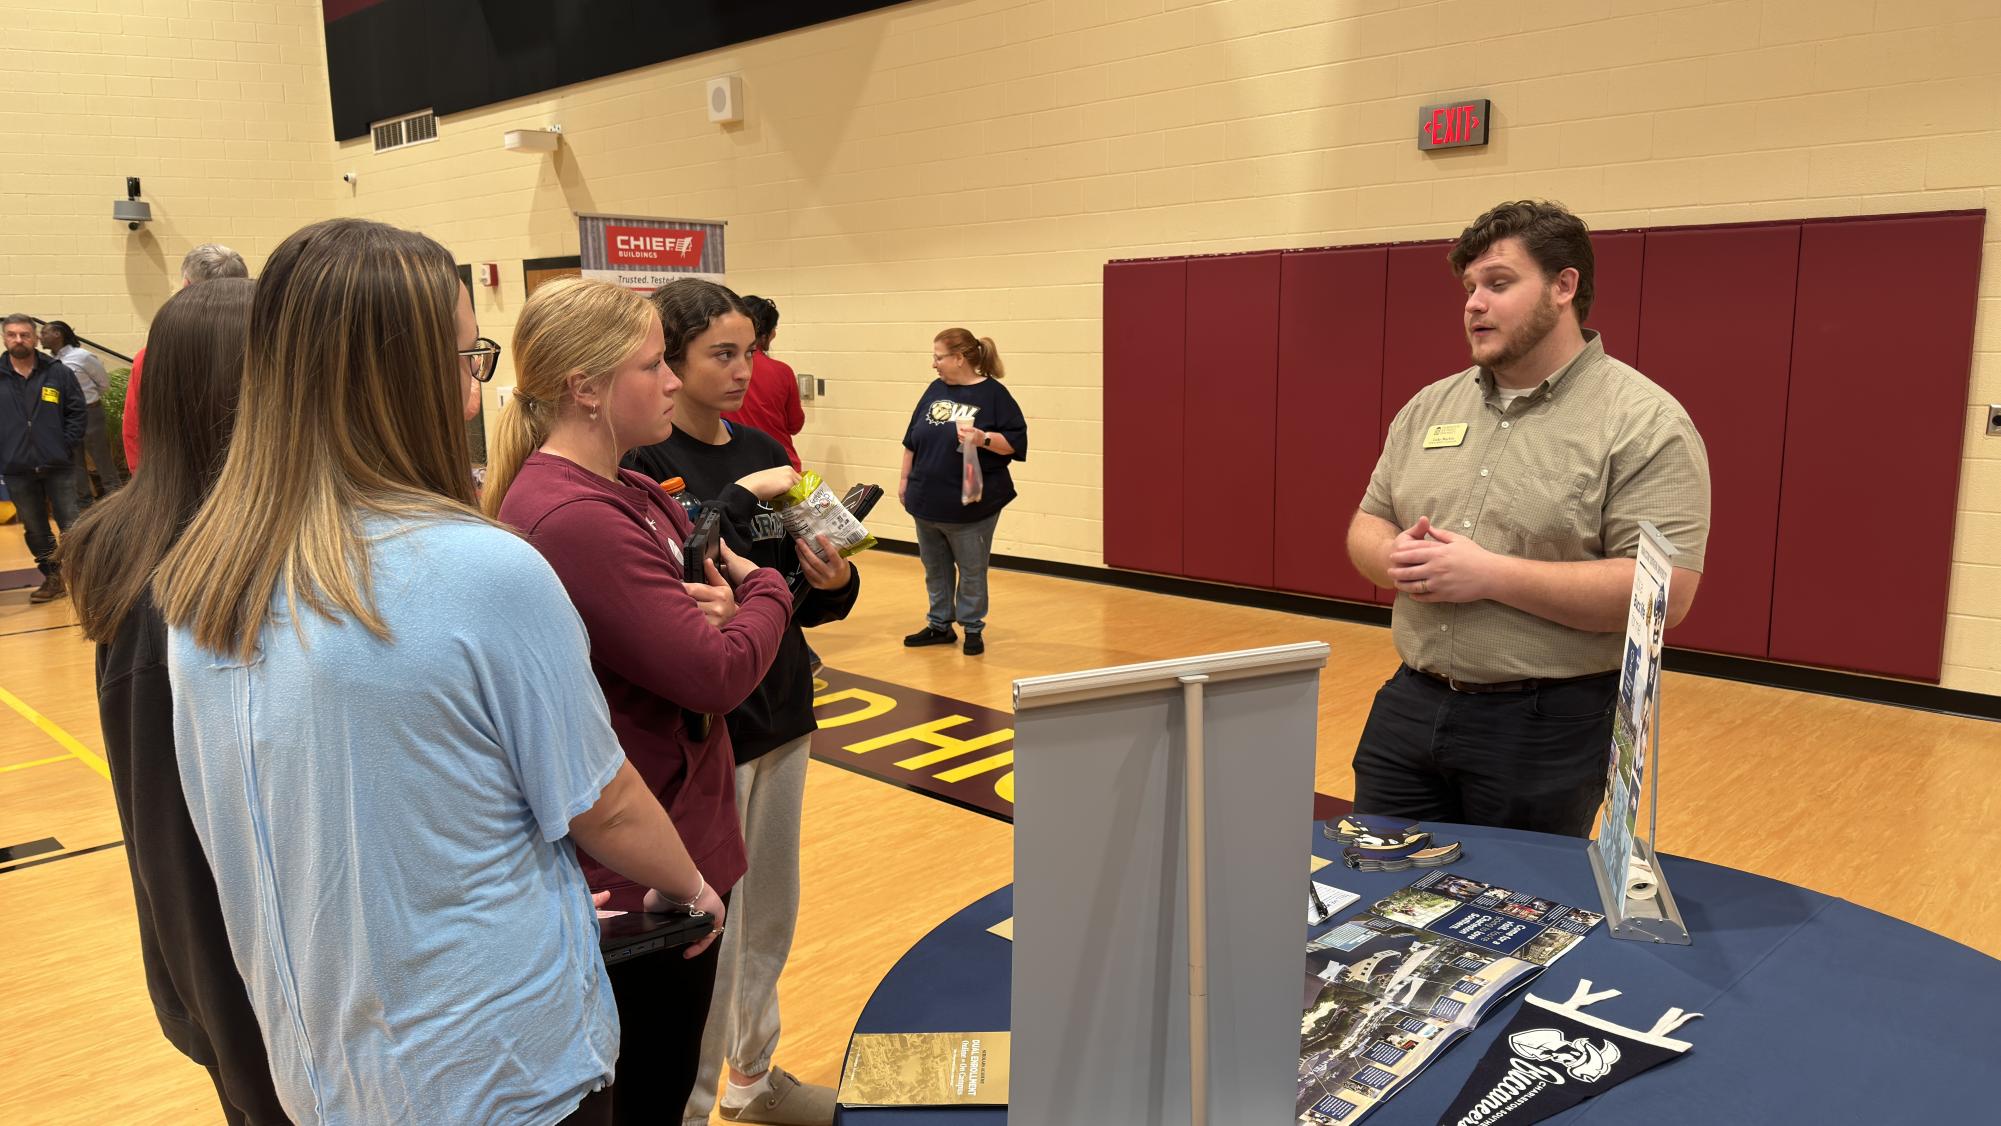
{"type": "Point", "coordinates": [595, 377]}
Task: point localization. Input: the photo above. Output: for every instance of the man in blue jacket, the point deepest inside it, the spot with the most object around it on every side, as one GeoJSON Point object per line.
{"type": "Point", "coordinates": [41, 423]}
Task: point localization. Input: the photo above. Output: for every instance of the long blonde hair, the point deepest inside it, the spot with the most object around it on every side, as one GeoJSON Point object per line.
{"type": "Point", "coordinates": [981, 353]}
{"type": "Point", "coordinates": [352, 397]}
{"type": "Point", "coordinates": [569, 327]}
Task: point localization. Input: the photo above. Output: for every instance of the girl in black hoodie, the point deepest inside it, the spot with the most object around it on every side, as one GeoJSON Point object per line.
{"type": "Point", "coordinates": [194, 370]}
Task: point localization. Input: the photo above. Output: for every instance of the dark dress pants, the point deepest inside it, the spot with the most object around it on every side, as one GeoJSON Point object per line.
{"type": "Point", "coordinates": [1532, 759]}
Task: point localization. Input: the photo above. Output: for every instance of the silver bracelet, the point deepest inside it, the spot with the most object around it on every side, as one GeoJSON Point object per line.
{"type": "Point", "coordinates": [701, 885]}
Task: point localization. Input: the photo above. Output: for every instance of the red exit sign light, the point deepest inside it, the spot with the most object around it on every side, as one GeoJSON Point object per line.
{"type": "Point", "coordinates": [1453, 125]}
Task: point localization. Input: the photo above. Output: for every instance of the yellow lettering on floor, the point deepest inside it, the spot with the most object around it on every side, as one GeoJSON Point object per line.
{"type": "Point", "coordinates": [873, 705]}
{"type": "Point", "coordinates": [973, 770]}
{"type": "Point", "coordinates": [948, 746]}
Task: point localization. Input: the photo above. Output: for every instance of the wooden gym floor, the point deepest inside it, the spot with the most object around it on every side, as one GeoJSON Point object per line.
{"type": "Point", "coordinates": [1890, 808]}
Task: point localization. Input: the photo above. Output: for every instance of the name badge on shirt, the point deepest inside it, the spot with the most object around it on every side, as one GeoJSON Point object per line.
{"type": "Point", "coordinates": [51, 395]}
{"type": "Point", "coordinates": [1445, 436]}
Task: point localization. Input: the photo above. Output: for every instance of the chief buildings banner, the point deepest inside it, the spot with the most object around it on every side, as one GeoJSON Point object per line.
{"type": "Point", "coordinates": [645, 254]}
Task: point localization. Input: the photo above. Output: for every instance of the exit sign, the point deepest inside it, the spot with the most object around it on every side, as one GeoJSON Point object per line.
{"type": "Point", "coordinates": [1453, 125]}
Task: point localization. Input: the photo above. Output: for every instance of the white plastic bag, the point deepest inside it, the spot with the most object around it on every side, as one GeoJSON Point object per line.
{"type": "Point", "coordinates": [972, 483]}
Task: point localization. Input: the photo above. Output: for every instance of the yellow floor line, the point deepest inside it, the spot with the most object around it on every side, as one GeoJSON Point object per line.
{"type": "Point", "coordinates": [67, 741]}
{"type": "Point", "coordinates": [37, 762]}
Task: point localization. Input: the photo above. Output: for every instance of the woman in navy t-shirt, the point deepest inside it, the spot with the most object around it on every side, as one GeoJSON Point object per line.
{"type": "Point", "coordinates": [955, 539]}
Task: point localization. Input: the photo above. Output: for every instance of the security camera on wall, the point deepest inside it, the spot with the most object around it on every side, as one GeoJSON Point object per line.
{"type": "Point", "coordinates": [131, 211]}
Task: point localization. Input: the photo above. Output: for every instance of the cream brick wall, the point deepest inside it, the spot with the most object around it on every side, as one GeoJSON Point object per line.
{"type": "Point", "coordinates": [219, 107]}
{"type": "Point", "coordinates": [975, 162]}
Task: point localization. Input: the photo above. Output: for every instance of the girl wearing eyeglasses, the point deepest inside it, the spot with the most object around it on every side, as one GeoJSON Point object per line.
{"type": "Point", "coordinates": [386, 729]}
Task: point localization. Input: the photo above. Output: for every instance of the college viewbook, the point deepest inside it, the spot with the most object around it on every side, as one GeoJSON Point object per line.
{"type": "Point", "coordinates": [926, 1069]}
{"type": "Point", "coordinates": [1492, 918]}
{"type": "Point", "coordinates": [1386, 991]}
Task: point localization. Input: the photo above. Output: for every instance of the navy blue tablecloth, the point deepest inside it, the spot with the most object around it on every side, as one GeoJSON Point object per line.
{"type": "Point", "coordinates": [1816, 1010]}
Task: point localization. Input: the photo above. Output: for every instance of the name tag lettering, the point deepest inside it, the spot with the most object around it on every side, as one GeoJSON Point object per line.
{"type": "Point", "coordinates": [1445, 435]}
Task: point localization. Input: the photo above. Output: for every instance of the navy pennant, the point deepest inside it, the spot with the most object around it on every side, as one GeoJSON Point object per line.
{"type": "Point", "coordinates": [1552, 1057]}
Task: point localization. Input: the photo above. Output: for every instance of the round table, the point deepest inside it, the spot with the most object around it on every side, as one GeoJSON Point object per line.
{"type": "Point", "coordinates": [1815, 1010]}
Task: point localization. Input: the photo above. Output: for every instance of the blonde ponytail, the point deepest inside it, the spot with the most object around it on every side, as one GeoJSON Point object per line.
{"type": "Point", "coordinates": [520, 432]}
{"type": "Point", "coordinates": [990, 361]}
{"type": "Point", "coordinates": [571, 326]}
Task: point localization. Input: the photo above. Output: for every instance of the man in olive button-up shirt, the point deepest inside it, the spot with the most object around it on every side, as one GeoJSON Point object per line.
{"type": "Point", "coordinates": [1506, 512]}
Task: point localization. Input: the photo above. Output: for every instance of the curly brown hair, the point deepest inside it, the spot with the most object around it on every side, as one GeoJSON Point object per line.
{"type": "Point", "coordinates": [1555, 238]}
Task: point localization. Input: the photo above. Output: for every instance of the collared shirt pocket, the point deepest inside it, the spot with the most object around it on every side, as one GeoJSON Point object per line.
{"type": "Point", "coordinates": [1543, 518]}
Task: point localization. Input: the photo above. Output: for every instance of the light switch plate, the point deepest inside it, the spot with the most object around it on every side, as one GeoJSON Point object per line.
{"type": "Point", "coordinates": [1993, 419]}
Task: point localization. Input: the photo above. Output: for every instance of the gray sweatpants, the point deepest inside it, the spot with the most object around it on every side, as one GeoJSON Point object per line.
{"type": "Point", "coordinates": [764, 909]}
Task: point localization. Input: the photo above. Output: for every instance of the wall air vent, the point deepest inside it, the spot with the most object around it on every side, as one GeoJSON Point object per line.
{"type": "Point", "coordinates": [410, 129]}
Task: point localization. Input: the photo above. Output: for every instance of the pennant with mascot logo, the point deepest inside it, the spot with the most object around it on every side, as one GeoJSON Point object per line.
{"type": "Point", "coordinates": [1552, 1057]}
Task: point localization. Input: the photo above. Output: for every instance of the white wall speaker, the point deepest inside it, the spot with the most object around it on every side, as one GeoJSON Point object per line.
{"type": "Point", "coordinates": [726, 99]}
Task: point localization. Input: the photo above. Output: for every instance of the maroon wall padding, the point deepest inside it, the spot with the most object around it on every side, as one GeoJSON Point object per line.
{"type": "Point", "coordinates": [1616, 289]}
{"type": "Point", "coordinates": [1882, 338]}
{"type": "Point", "coordinates": [1330, 386]}
{"type": "Point", "coordinates": [1145, 349]}
{"type": "Point", "coordinates": [1424, 330]}
{"type": "Point", "coordinates": [1230, 418]}
{"type": "Point", "coordinates": [1718, 335]}
{"type": "Point", "coordinates": [1831, 399]}
{"type": "Point", "coordinates": [1424, 326]}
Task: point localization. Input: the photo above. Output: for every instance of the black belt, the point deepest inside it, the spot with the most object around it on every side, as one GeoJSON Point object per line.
{"type": "Point", "coordinates": [1504, 685]}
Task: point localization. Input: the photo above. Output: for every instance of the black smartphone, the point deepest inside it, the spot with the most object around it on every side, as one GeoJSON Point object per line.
{"type": "Point", "coordinates": [704, 544]}
{"type": "Point", "coordinates": [861, 498]}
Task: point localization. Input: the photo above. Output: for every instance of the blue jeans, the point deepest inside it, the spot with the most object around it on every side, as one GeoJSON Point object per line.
{"type": "Point", "coordinates": [962, 598]}
{"type": "Point", "coordinates": [33, 496]}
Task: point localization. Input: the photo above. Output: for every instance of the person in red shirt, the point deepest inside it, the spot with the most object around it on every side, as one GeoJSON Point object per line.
{"type": "Point", "coordinates": [596, 376]}
{"type": "Point", "coordinates": [772, 402]}
{"type": "Point", "coordinates": [206, 262]}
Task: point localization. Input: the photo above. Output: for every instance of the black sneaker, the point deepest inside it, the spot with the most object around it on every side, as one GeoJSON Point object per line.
{"type": "Point", "coordinates": [931, 635]}
{"type": "Point", "coordinates": [974, 644]}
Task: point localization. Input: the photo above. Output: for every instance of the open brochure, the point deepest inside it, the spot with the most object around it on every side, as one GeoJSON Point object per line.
{"type": "Point", "coordinates": [1387, 1000]}
{"type": "Point", "coordinates": [1386, 991]}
